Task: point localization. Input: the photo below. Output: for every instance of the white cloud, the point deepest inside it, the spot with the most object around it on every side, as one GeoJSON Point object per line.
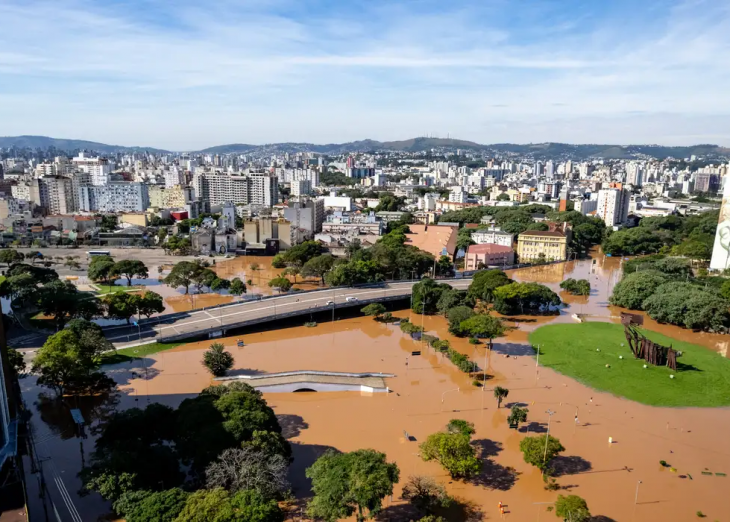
{"type": "Point", "coordinates": [189, 75]}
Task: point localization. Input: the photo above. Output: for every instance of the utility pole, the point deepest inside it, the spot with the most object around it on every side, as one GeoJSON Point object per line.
{"type": "Point", "coordinates": [547, 435]}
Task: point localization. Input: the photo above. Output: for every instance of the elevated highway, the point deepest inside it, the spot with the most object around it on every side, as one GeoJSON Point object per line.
{"type": "Point", "coordinates": [215, 322]}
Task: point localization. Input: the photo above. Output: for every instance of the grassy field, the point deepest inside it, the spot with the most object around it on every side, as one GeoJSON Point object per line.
{"type": "Point", "coordinates": [702, 378]}
{"type": "Point", "coordinates": [129, 354]}
{"type": "Point", "coordinates": [108, 289]}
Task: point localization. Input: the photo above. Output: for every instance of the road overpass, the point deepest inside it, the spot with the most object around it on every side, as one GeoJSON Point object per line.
{"type": "Point", "coordinates": [216, 321]}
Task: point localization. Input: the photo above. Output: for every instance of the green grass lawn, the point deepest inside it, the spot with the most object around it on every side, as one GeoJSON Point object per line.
{"type": "Point", "coordinates": [108, 289]}
{"type": "Point", "coordinates": [135, 352]}
{"type": "Point", "coordinates": [702, 377]}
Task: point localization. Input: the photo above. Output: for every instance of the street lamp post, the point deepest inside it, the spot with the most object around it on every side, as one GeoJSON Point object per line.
{"type": "Point", "coordinates": [636, 498]}
{"type": "Point", "coordinates": [547, 435]}
{"type": "Point", "coordinates": [443, 394]}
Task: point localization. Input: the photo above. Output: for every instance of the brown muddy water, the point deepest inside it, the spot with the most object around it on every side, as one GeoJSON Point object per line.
{"type": "Point", "coordinates": [260, 274]}
{"type": "Point", "coordinates": [424, 398]}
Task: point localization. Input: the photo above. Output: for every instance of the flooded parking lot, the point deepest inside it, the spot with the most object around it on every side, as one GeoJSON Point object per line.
{"type": "Point", "coordinates": [424, 398]}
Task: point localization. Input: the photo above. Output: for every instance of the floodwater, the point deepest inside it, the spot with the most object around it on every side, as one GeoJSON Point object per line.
{"type": "Point", "coordinates": [185, 303]}
{"type": "Point", "coordinates": [260, 274]}
{"type": "Point", "coordinates": [603, 275]}
{"type": "Point", "coordinates": [428, 391]}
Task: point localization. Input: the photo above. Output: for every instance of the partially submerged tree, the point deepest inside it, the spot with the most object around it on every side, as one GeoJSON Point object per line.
{"type": "Point", "coordinates": [500, 394]}
{"type": "Point", "coordinates": [539, 451]}
{"type": "Point", "coordinates": [217, 359]}
{"type": "Point", "coordinates": [453, 451]}
{"type": "Point", "coordinates": [572, 508]}
{"type": "Point", "coordinates": [350, 483]}
{"type": "Point", "coordinates": [374, 309]}
{"type": "Point", "coordinates": [246, 468]}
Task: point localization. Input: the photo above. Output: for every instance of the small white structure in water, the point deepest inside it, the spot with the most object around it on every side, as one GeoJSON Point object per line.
{"type": "Point", "coordinates": [311, 380]}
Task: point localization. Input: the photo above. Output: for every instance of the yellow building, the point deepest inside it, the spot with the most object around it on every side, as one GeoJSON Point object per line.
{"type": "Point", "coordinates": [161, 197]}
{"type": "Point", "coordinates": [552, 245]}
{"type": "Point", "coordinates": [134, 218]}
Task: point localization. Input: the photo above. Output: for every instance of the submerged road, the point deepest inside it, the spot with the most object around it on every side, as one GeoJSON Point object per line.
{"type": "Point", "coordinates": [216, 321]}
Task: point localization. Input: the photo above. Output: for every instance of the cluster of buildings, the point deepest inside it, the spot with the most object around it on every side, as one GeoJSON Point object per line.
{"type": "Point", "coordinates": [273, 200]}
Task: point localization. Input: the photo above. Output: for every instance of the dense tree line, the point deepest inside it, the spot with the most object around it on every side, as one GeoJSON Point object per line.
{"type": "Point", "coordinates": [389, 258]}
{"type": "Point", "coordinates": [667, 291]}
{"type": "Point", "coordinates": [690, 236]}
{"type": "Point", "coordinates": [225, 445]}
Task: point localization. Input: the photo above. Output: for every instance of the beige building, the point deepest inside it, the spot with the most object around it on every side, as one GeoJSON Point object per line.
{"type": "Point", "coordinates": [552, 245]}
{"type": "Point", "coordinates": [134, 218]}
{"type": "Point", "coordinates": [161, 197]}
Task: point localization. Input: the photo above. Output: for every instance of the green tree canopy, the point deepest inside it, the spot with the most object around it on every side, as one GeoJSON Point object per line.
{"type": "Point", "coordinates": [453, 451]}
{"type": "Point", "coordinates": [238, 287]}
{"type": "Point", "coordinates": [10, 256]}
{"type": "Point", "coordinates": [485, 282]}
{"type": "Point", "coordinates": [217, 359]}
{"type": "Point", "coordinates": [374, 310]}
{"type": "Point", "coordinates": [518, 298]}
{"type": "Point", "coordinates": [349, 483]}
{"type": "Point", "coordinates": [69, 359]}
{"type": "Point", "coordinates": [130, 268]}
{"type": "Point", "coordinates": [318, 266]}
{"type": "Point", "coordinates": [533, 450]}
{"type": "Point", "coordinates": [121, 305]}
{"type": "Point", "coordinates": [426, 295]}
{"type": "Point", "coordinates": [482, 326]}
{"type": "Point", "coordinates": [184, 274]}
{"type": "Point", "coordinates": [456, 316]}
{"type": "Point", "coordinates": [101, 269]}
{"type": "Point", "coordinates": [572, 508]}
{"type": "Point", "coordinates": [218, 505]}
{"type": "Point", "coordinates": [282, 284]}
{"type": "Point", "coordinates": [450, 298]}
{"type": "Point", "coordinates": [633, 289]}
{"type": "Point", "coordinates": [150, 303]}
{"type": "Point", "coordinates": [576, 286]}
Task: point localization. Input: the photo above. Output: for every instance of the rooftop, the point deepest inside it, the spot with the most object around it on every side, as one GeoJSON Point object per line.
{"type": "Point", "coordinates": [542, 233]}
{"type": "Point", "coordinates": [433, 239]}
{"type": "Point", "coordinates": [488, 248]}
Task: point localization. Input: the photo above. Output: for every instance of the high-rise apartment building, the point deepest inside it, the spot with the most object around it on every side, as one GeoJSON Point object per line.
{"type": "Point", "coordinates": [707, 182]}
{"type": "Point", "coordinates": [613, 206]}
{"type": "Point", "coordinates": [98, 168]}
{"type": "Point", "coordinates": [114, 197]}
{"type": "Point", "coordinates": [257, 188]}
{"type": "Point", "coordinates": [54, 194]}
{"type": "Point", "coordinates": [301, 187]}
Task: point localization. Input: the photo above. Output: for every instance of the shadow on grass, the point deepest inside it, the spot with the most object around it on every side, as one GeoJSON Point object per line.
{"type": "Point", "coordinates": [681, 367]}
{"type": "Point", "coordinates": [571, 465]}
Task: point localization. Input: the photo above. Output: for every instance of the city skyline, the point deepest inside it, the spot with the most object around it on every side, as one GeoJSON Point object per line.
{"type": "Point", "coordinates": [187, 77]}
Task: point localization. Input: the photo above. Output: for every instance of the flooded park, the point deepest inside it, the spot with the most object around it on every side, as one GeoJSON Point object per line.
{"type": "Point", "coordinates": [621, 480]}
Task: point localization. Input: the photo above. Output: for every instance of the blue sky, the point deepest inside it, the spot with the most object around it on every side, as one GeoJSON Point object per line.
{"type": "Point", "coordinates": [189, 74]}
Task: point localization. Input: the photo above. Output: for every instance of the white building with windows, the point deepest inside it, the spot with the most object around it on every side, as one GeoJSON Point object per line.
{"type": "Point", "coordinates": [256, 188]}
{"type": "Point", "coordinates": [613, 206]}
{"type": "Point", "coordinates": [493, 236]}
{"type": "Point", "coordinates": [98, 168]}
{"type": "Point", "coordinates": [114, 197]}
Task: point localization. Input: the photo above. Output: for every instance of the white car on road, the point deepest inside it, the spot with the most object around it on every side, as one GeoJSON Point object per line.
{"type": "Point", "coordinates": [351, 299]}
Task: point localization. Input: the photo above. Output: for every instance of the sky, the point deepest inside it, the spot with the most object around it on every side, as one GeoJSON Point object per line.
{"type": "Point", "coordinates": [186, 74]}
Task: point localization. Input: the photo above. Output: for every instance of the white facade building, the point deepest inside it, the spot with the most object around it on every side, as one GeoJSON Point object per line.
{"type": "Point", "coordinates": [254, 188]}
{"type": "Point", "coordinates": [613, 206]}
{"type": "Point", "coordinates": [494, 237]}
{"type": "Point", "coordinates": [98, 168]}
{"type": "Point", "coordinates": [114, 197]}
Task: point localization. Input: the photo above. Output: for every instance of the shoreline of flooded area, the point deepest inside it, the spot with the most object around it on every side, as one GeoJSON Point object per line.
{"type": "Point", "coordinates": [423, 399]}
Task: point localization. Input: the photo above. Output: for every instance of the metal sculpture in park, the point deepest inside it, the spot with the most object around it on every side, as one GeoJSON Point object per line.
{"type": "Point", "coordinates": [644, 348]}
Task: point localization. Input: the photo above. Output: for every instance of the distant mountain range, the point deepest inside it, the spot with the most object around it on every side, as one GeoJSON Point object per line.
{"type": "Point", "coordinates": [535, 150]}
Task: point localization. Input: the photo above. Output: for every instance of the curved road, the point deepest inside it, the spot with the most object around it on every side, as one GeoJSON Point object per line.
{"type": "Point", "coordinates": [180, 326]}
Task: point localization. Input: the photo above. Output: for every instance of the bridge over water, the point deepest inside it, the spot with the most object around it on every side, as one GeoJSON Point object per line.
{"type": "Point", "coordinates": [216, 321]}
